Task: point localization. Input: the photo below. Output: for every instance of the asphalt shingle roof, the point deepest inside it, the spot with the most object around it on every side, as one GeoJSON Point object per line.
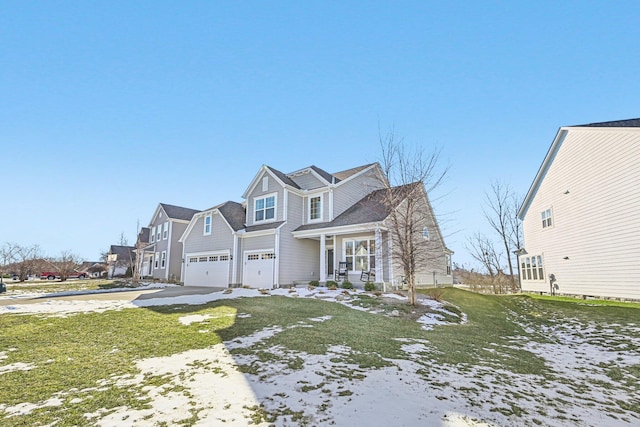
{"type": "Point", "coordinates": [630, 123]}
{"type": "Point", "coordinates": [283, 177]}
{"type": "Point", "coordinates": [178, 212]}
{"type": "Point", "coordinates": [342, 175]}
{"type": "Point", "coordinates": [123, 252]}
{"type": "Point", "coordinates": [234, 213]}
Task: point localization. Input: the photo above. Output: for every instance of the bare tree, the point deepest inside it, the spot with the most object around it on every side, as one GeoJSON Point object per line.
{"type": "Point", "coordinates": [65, 264]}
{"type": "Point", "coordinates": [28, 260]}
{"type": "Point", "coordinates": [7, 257]}
{"type": "Point", "coordinates": [409, 176]}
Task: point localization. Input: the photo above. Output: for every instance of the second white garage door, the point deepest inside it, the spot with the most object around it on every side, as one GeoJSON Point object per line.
{"type": "Point", "coordinates": [207, 270]}
{"type": "Point", "coordinates": [258, 269]}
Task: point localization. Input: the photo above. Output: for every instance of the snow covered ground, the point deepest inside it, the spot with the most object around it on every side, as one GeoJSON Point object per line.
{"type": "Point", "coordinates": [330, 393]}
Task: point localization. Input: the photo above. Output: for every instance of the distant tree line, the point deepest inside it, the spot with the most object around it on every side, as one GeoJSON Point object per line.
{"type": "Point", "coordinates": [25, 261]}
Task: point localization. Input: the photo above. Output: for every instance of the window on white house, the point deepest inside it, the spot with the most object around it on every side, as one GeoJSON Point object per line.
{"type": "Point", "coordinates": [153, 234]}
{"type": "Point", "coordinates": [360, 255]}
{"type": "Point", "coordinates": [157, 260]}
{"type": "Point", "coordinates": [448, 261]}
{"type": "Point", "coordinates": [531, 268]}
{"type": "Point", "coordinates": [163, 259]}
{"type": "Point", "coordinates": [207, 225]}
{"type": "Point", "coordinates": [158, 233]}
{"type": "Point", "coordinates": [265, 208]}
{"type": "Point", "coordinates": [265, 183]}
{"type": "Point", "coordinates": [165, 231]}
{"type": "Point", "coordinates": [315, 208]}
{"type": "Point", "coordinates": [425, 233]}
{"type": "Point", "coordinates": [546, 218]}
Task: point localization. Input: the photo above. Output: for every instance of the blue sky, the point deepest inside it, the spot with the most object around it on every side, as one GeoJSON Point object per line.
{"type": "Point", "coordinates": [108, 108]}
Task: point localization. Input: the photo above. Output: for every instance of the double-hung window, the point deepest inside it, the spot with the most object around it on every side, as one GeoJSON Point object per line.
{"type": "Point", "coordinates": [531, 268]}
{"type": "Point", "coordinates": [265, 208]}
{"type": "Point", "coordinates": [157, 260]}
{"type": "Point", "coordinates": [315, 208]}
{"type": "Point", "coordinates": [207, 225]}
{"type": "Point", "coordinates": [360, 255]}
{"type": "Point", "coordinates": [153, 234]}
{"type": "Point", "coordinates": [165, 231]}
{"type": "Point", "coordinates": [158, 232]}
{"type": "Point", "coordinates": [546, 218]}
{"type": "Point", "coordinates": [425, 233]}
{"type": "Point", "coordinates": [163, 259]}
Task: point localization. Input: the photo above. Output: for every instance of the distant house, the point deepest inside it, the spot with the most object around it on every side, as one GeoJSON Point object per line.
{"type": "Point", "coordinates": [300, 226]}
{"type": "Point", "coordinates": [121, 260]}
{"type": "Point", "coordinates": [162, 254]}
{"type": "Point", "coordinates": [581, 216]}
{"type": "Point", "coordinates": [94, 269]}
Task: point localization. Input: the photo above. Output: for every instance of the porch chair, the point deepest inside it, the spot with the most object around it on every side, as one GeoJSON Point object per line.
{"type": "Point", "coordinates": [342, 272]}
{"type": "Point", "coordinates": [367, 276]}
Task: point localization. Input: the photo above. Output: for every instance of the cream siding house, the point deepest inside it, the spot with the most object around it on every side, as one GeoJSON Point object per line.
{"type": "Point", "coordinates": [581, 216]}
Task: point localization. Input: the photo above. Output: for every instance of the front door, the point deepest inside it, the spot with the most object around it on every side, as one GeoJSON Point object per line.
{"type": "Point", "coordinates": [329, 262]}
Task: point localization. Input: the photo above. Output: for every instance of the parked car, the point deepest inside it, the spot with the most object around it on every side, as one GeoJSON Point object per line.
{"type": "Point", "coordinates": [51, 275]}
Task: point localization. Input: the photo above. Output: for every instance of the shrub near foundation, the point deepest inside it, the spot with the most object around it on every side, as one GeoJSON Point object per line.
{"type": "Point", "coordinates": [369, 286]}
{"type": "Point", "coordinates": [346, 285]}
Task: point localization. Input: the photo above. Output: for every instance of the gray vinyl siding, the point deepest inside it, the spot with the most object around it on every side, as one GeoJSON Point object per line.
{"type": "Point", "coordinates": [299, 259]}
{"type": "Point", "coordinates": [304, 215]}
{"type": "Point", "coordinates": [258, 242]}
{"type": "Point", "coordinates": [274, 187]}
{"type": "Point", "coordinates": [308, 181]}
{"type": "Point", "coordinates": [350, 191]}
{"type": "Point", "coordinates": [160, 246]}
{"type": "Point", "coordinates": [174, 260]}
{"type": "Point", "coordinates": [221, 236]}
{"type": "Point", "coordinates": [592, 189]}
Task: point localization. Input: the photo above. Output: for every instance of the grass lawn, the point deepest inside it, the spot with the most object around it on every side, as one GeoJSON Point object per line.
{"type": "Point", "coordinates": [515, 359]}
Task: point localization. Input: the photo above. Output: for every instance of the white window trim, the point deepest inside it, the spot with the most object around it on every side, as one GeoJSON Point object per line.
{"type": "Point", "coordinates": [321, 217]}
{"type": "Point", "coordinates": [153, 234]}
{"type": "Point", "coordinates": [547, 219]}
{"type": "Point", "coordinates": [163, 259]}
{"type": "Point", "coordinates": [156, 261]}
{"type": "Point", "coordinates": [204, 225]}
{"type": "Point", "coordinates": [275, 208]}
{"type": "Point", "coordinates": [368, 238]}
{"type": "Point", "coordinates": [425, 234]}
{"type": "Point", "coordinates": [165, 231]}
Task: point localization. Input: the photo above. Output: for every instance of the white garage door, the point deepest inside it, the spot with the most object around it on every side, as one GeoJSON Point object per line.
{"type": "Point", "coordinates": [258, 269]}
{"type": "Point", "coordinates": [207, 270]}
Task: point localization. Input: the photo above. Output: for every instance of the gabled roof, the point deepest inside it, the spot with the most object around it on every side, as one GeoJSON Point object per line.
{"type": "Point", "coordinates": [283, 177]}
{"type": "Point", "coordinates": [123, 252]}
{"type": "Point", "coordinates": [233, 213]}
{"type": "Point", "coordinates": [144, 234]}
{"type": "Point", "coordinates": [374, 207]}
{"type": "Point", "coordinates": [629, 123]}
{"type": "Point", "coordinates": [324, 174]}
{"type": "Point", "coordinates": [553, 151]}
{"type": "Point", "coordinates": [178, 212]}
{"type": "Point", "coordinates": [342, 175]}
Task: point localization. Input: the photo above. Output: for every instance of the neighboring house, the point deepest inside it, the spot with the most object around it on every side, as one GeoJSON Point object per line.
{"type": "Point", "coordinates": [581, 217]}
{"type": "Point", "coordinates": [95, 269]}
{"type": "Point", "coordinates": [162, 254]}
{"type": "Point", "coordinates": [121, 260]}
{"type": "Point", "coordinates": [297, 227]}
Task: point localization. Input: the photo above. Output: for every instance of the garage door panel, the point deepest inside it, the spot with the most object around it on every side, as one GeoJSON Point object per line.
{"type": "Point", "coordinates": [207, 270]}
{"type": "Point", "coordinates": [258, 269]}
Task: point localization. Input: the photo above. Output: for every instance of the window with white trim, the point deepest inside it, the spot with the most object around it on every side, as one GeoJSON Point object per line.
{"type": "Point", "coordinates": [153, 234]}
{"type": "Point", "coordinates": [425, 233]}
{"type": "Point", "coordinates": [265, 208]}
{"type": "Point", "coordinates": [158, 233]}
{"type": "Point", "coordinates": [448, 261]}
{"type": "Point", "coordinates": [546, 218]}
{"type": "Point", "coordinates": [531, 268]}
{"type": "Point", "coordinates": [315, 208]}
{"type": "Point", "coordinates": [360, 255]}
{"type": "Point", "coordinates": [165, 231]}
{"type": "Point", "coordinates": [207, 225]}
{"type": "Point", "coordinates": [163, 259]}
{"type": "Point", "coordinates": [157, 260]}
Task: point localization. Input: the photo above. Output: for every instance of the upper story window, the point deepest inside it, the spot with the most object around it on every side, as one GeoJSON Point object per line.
{"type": "Point", "coordinates": [165, 231]}
{"type": "Point", "coordinates": [546, 218]}
{"type": "Point", "coordinates": [315, 208]}
{"type": "Point", "coordinates": [265, 208]}
{"type": "Point", "coordinates": [153, 234]}
{"type": "Point", "coordinates": [448, 261]}
{"type": "Point", "coordinates": [207, 225]}
{"type": "Point", "coordinates": [425, 233]}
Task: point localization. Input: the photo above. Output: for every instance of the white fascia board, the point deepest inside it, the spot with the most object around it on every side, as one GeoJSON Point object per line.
{"type": "Point", "coordinates": [355, 175]}
{"type": "Point", "coordinates": [248, 234]}
{"type": "Point", "coordinates": [542, 171]}
{"type": "Point", "coordinates": [347, 229]}
{"type": "Point", "coordinates": [260, 174]}
{"type": "Point", "coordinates": [155, 215]}
{"type": "Point", "coordinates": [192, 224]}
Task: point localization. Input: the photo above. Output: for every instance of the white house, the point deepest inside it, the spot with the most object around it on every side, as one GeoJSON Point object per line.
{"type": "Point", "coordinates": [581, 216]}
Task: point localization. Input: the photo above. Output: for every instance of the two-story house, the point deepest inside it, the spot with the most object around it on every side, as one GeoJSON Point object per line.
{"type": "Point", "coordinates": [580, 217]}
{"type": "Point", "coordinates": [298, 227]}
{"type": "Point", "coordinates": [162, 254]}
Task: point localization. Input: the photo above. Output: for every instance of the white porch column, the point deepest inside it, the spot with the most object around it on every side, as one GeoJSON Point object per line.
{"type": "Point", "coordinates": [323, 261]}
{"type": "Point", "coordinates": [378, 256]}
